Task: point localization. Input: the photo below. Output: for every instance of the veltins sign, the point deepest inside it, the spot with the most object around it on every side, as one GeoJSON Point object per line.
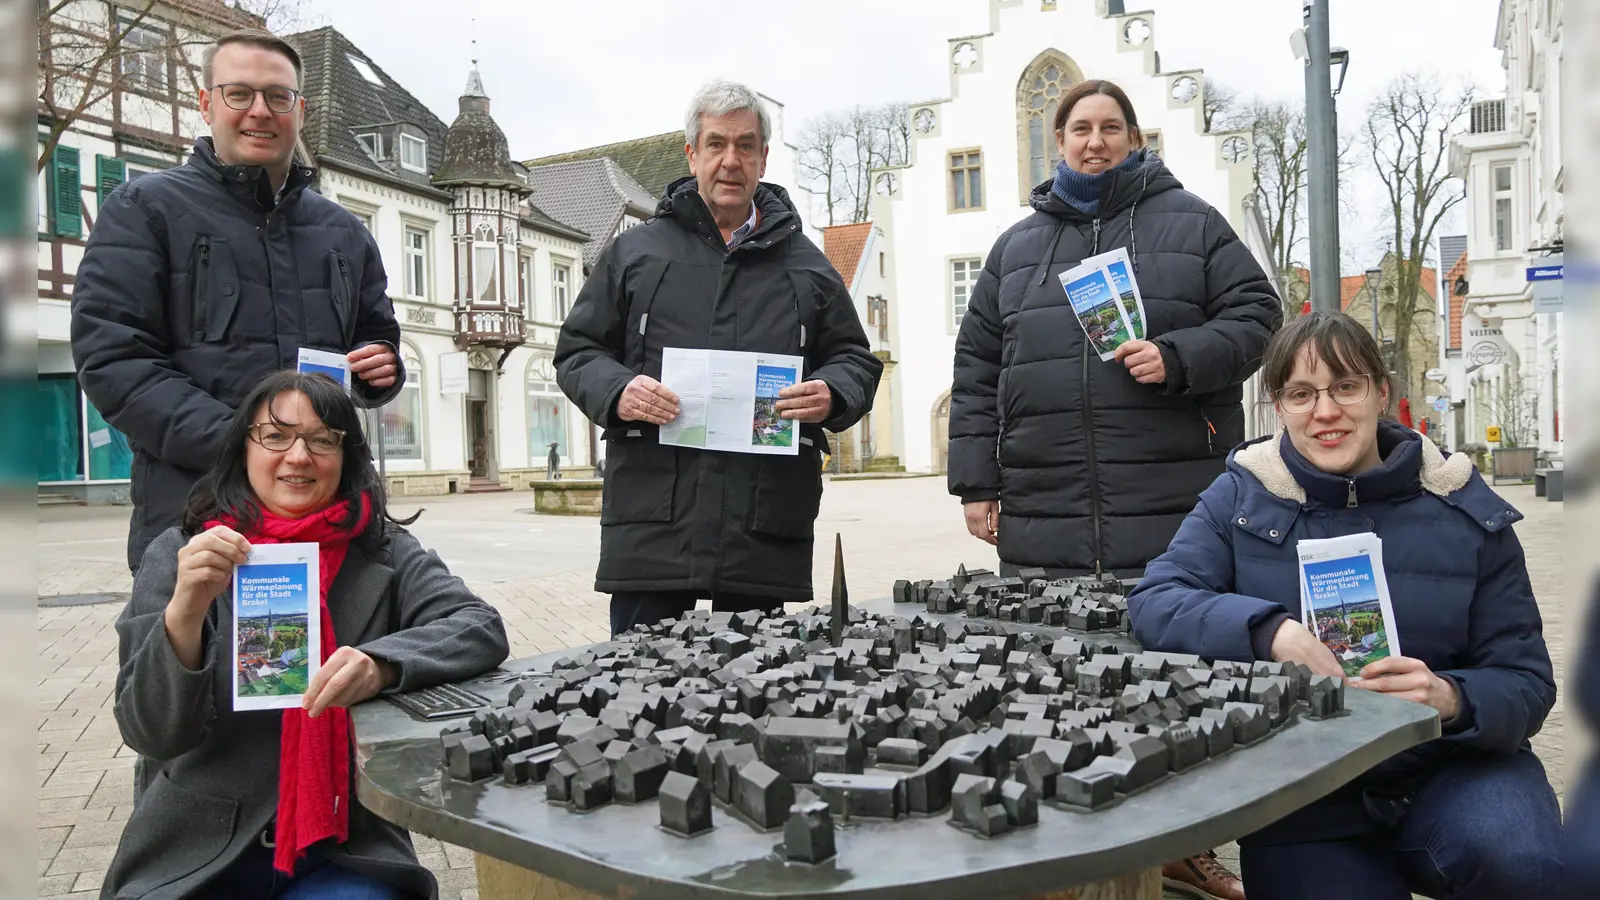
{"type": "Point", "coordinates": [1481, 344]}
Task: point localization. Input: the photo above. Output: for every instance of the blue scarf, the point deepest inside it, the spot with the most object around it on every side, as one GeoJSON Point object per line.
{"type": "Point", "coordinates": [1081, 191]}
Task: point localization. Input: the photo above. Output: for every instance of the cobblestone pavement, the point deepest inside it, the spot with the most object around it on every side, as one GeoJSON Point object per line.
{"type": "Point", "coordinates": [537, 570]}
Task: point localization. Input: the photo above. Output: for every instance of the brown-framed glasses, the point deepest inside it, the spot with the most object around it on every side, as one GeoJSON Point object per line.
{"type": "Point", "coordinates": [1301, 398]}
{"type": "Point", "coordinates": [279, 439]}
{"type": "Point", "coordinates": [279, 99]}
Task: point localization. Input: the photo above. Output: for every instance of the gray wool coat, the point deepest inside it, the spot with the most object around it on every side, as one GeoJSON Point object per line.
{"type": "Point", "coordinates": [209, 783]}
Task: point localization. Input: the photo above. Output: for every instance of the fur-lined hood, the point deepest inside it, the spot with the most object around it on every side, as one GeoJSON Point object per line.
{"type": "Point", "coordinates": [1440, 475]}
{"type": "Point", "coordinates": [1269, 497]}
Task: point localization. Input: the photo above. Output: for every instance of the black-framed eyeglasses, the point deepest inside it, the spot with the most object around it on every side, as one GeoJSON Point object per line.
{"type": "Point", "coordinates": [278, 439]}
{"type": "Point", "coordinates": [1349, 391]}
{"type": "Point", "coordinates": [279, 99]}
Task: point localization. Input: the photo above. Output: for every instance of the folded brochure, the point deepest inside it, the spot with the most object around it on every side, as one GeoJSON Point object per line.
{"type": "Point", "coordinates": [1344, 598]}
{"type": "Point", "coordinates": [277, 626]}
{"type": "Point", "coordinates": [1120, 267]}
{"type": "Point", "coordinates": [1094, 298]}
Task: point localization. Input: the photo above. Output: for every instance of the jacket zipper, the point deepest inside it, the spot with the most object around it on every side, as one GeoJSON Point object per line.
{"type": "Point", "coordinates": [202, 292]}
{"type": "Point", "coordinates": [1350, 499]}
{"type": "Point", "coordinates": [1088, 434]}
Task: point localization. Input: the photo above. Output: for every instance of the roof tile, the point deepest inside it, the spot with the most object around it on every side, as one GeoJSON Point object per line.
{"type": "Point", "coordinates": [843, 245]}
{"type": "Point", "coordinates": [654, 162]}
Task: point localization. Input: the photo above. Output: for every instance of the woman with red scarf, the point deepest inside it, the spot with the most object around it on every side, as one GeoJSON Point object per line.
{"type": "Point", "coordinates": [253, 805]}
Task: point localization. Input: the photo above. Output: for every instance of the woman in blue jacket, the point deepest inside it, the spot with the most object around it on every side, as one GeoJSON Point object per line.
{"type": "Point", "coordinates": [1469, 815]}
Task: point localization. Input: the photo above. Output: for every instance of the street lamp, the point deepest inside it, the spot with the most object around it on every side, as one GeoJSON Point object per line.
{"type": "Point", "coordinates": [1340, 57]}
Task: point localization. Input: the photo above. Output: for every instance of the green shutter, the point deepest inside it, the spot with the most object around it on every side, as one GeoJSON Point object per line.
{"type": "Point", "coordinates": [13, 203]}
{"type": "Point", "coordinates": [108, 173]}
{"type": "Point", "coordinates": [66, 193]}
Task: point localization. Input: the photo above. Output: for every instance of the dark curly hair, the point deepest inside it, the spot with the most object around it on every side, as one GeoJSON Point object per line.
{"type": "Point", "coordinates": [224, 492]}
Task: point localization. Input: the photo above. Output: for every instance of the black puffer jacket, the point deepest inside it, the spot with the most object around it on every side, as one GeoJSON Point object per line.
{"type": "Point", "coordinates": [684, 519]}
{"type": "Point", "coordinates": [196, 283]}
{"type": "Point", "coordinates": [1091, 468]}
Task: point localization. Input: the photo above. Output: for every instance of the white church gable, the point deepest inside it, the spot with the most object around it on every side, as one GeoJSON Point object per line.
{"type": "Point", "coordinates": [976, 153]}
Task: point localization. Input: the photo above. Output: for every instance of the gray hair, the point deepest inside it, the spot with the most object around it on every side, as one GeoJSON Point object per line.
{"type": "Point", "coordinates": [719, 98]}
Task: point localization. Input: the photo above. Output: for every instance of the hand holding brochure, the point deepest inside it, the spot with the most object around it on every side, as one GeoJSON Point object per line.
{"type": "Point", "coordinates": [727, 400]}
{"type": "Point", "coordinates": [277, 626]}
{"type": "Point", "coordinates": [1344, 598]}
{"type": "Point", "coordinates": [1098, 307]}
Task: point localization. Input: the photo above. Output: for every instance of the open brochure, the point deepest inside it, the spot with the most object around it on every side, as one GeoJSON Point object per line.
{"type": "Point", "coordinates": [277, 626]}
{"type": "Point", "coordinates": [1344, 597]}
{"type": "Point", "coordinates": [1098, 307]}
{"type": "Point", "coordinates": [727, 400]}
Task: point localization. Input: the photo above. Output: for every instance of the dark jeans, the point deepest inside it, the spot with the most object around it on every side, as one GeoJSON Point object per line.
{"type": "Point", "coordinates": [252, 877]}
{"type": "Point", "coordinates": [633, 608]}
{"type": "Point", "coordinates": [1484, 828]}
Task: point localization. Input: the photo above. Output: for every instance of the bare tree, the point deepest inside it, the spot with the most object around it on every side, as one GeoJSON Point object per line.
{"type": "Point", "coordinates": [89, 50]}
{"type": "Point", "coordinates": [1221, 107]}
{"type": "Point", "coordinates": [1407, 138]}
{"type": "Point", "coordinates": [1514, 409]}
{"type": "Point", "coordinates": [821, 158]}
{"type": "Point", "coordinates": [840, 150]}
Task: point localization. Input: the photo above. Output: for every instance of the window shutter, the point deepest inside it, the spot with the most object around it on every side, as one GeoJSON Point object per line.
{"type": "Point", "coordinates": [109, 172]}
{"type": "Point", "coordinates": [66, 192]}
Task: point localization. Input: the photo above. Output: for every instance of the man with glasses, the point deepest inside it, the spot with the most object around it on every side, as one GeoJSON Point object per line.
{"type": "Point", "coordinates": [199, 280]}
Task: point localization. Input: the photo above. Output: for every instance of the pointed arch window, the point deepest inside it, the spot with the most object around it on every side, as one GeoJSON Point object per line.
{"type": "Point", "coordinates": [1039, 93]}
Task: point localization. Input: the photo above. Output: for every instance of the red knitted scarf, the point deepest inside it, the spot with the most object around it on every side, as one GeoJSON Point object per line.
{"type": "Point", "coordinates": [314, 754]}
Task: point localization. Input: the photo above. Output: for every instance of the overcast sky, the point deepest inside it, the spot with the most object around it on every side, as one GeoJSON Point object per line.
{"type": "Point", "coordinates": [567, 75]}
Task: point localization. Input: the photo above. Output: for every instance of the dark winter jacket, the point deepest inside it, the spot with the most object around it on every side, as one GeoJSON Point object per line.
{"type": "Point", "coordinates": [1463, 603]}
{"type": "Point", "coordinates": [682, 519]}
{"type": "Point", "coordinates": [194, 285]}
{"type": "Point", "coordinates": [1091, 468]}
{"type": "Point", "coordinates": [209, 783]}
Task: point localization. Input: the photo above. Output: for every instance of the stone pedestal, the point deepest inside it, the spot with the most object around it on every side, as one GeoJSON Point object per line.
{"type": "Point", "coordinates": [567, 498]}
{"type": "Point", "coordinates": [500, 880]}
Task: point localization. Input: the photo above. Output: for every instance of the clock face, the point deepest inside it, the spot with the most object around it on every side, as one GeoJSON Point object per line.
{"type": "Point", "coordinates": [1235, 149]}
{"type": "Point", "coordinates": [924, 120]}
{"type": "Point", "coordinates": [1185, 89]}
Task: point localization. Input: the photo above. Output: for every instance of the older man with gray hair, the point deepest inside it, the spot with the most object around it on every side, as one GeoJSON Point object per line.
{"type": "Point", "coordinates": [723, 265]}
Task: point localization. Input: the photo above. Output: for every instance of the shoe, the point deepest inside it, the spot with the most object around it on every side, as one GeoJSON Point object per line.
{"type": "Point", "coordinates": [1203, 877]}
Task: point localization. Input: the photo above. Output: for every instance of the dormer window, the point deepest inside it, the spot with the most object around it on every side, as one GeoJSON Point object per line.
{"type": "Point", "coordinates": [413, 153]}
{"type": "Point", "coordinates": [373, 141]}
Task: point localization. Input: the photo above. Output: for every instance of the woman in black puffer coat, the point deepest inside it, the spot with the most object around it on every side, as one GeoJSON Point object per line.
{"type": "Point", "coordinates": [1077, 465]}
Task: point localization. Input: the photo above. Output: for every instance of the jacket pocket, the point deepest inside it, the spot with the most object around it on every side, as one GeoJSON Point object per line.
{"type": "Point", "coordinates": [641, 477]}
{"type": "Point", "coordinates": [173, 833]}
{"type": "Point", "coordinates": [341, 295]}
{"type": "Point", "coordinates": [788, 495]}
{"type": "Point", "coordinates": [216, 290]}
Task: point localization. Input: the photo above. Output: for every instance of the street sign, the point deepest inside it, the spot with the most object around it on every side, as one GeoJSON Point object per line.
{"type": "Point", "coordinates": [1442, 404]}
{"type": "Point", "coordinates": [1492, 434]}
{"type": "Point", "coordinates": [1434, 375]}
{"type": "Point", "coordinates": [1546, 284]}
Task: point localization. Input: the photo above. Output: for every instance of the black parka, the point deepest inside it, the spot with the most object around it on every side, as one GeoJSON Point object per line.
{"type": "Point", "coordinates": [196, 283]}
{"type": "Point", "coordinates": [1092, 469]}
{"type": "Point", "coordinates": [683, 519]}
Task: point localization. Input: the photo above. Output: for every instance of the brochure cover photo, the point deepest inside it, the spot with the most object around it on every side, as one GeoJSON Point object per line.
{"type": "Point", "coordinates": [1127, 287]}
{"type": "Point", "coordinates": [1098, 308]}
{"type": "Point", "coordinates": [321, 362]}
{"type": "Point", "coordinates": [767, 427]}
{"type": "Point", "coordinates": [1346, 599]}
{"type": "Point", "coordinates": [276, 626]}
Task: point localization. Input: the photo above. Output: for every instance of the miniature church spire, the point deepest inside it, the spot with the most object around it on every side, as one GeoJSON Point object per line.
{"type": "Point", "coordinates": [474, 80]}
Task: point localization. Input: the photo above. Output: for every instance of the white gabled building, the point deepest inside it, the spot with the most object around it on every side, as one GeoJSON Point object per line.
{"type": "Point", "coordinates": [976, 154]}
{"type": "Point", "coordinates": [1507, 374]}
{"type": "Point", "coordinates": [480, 278]}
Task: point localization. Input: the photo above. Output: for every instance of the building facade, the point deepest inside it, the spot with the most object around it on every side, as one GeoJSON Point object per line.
{"type": "Point", "coordinates": [1505, 378]}
{"type": "Point", "coordinates": [977, 153]}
